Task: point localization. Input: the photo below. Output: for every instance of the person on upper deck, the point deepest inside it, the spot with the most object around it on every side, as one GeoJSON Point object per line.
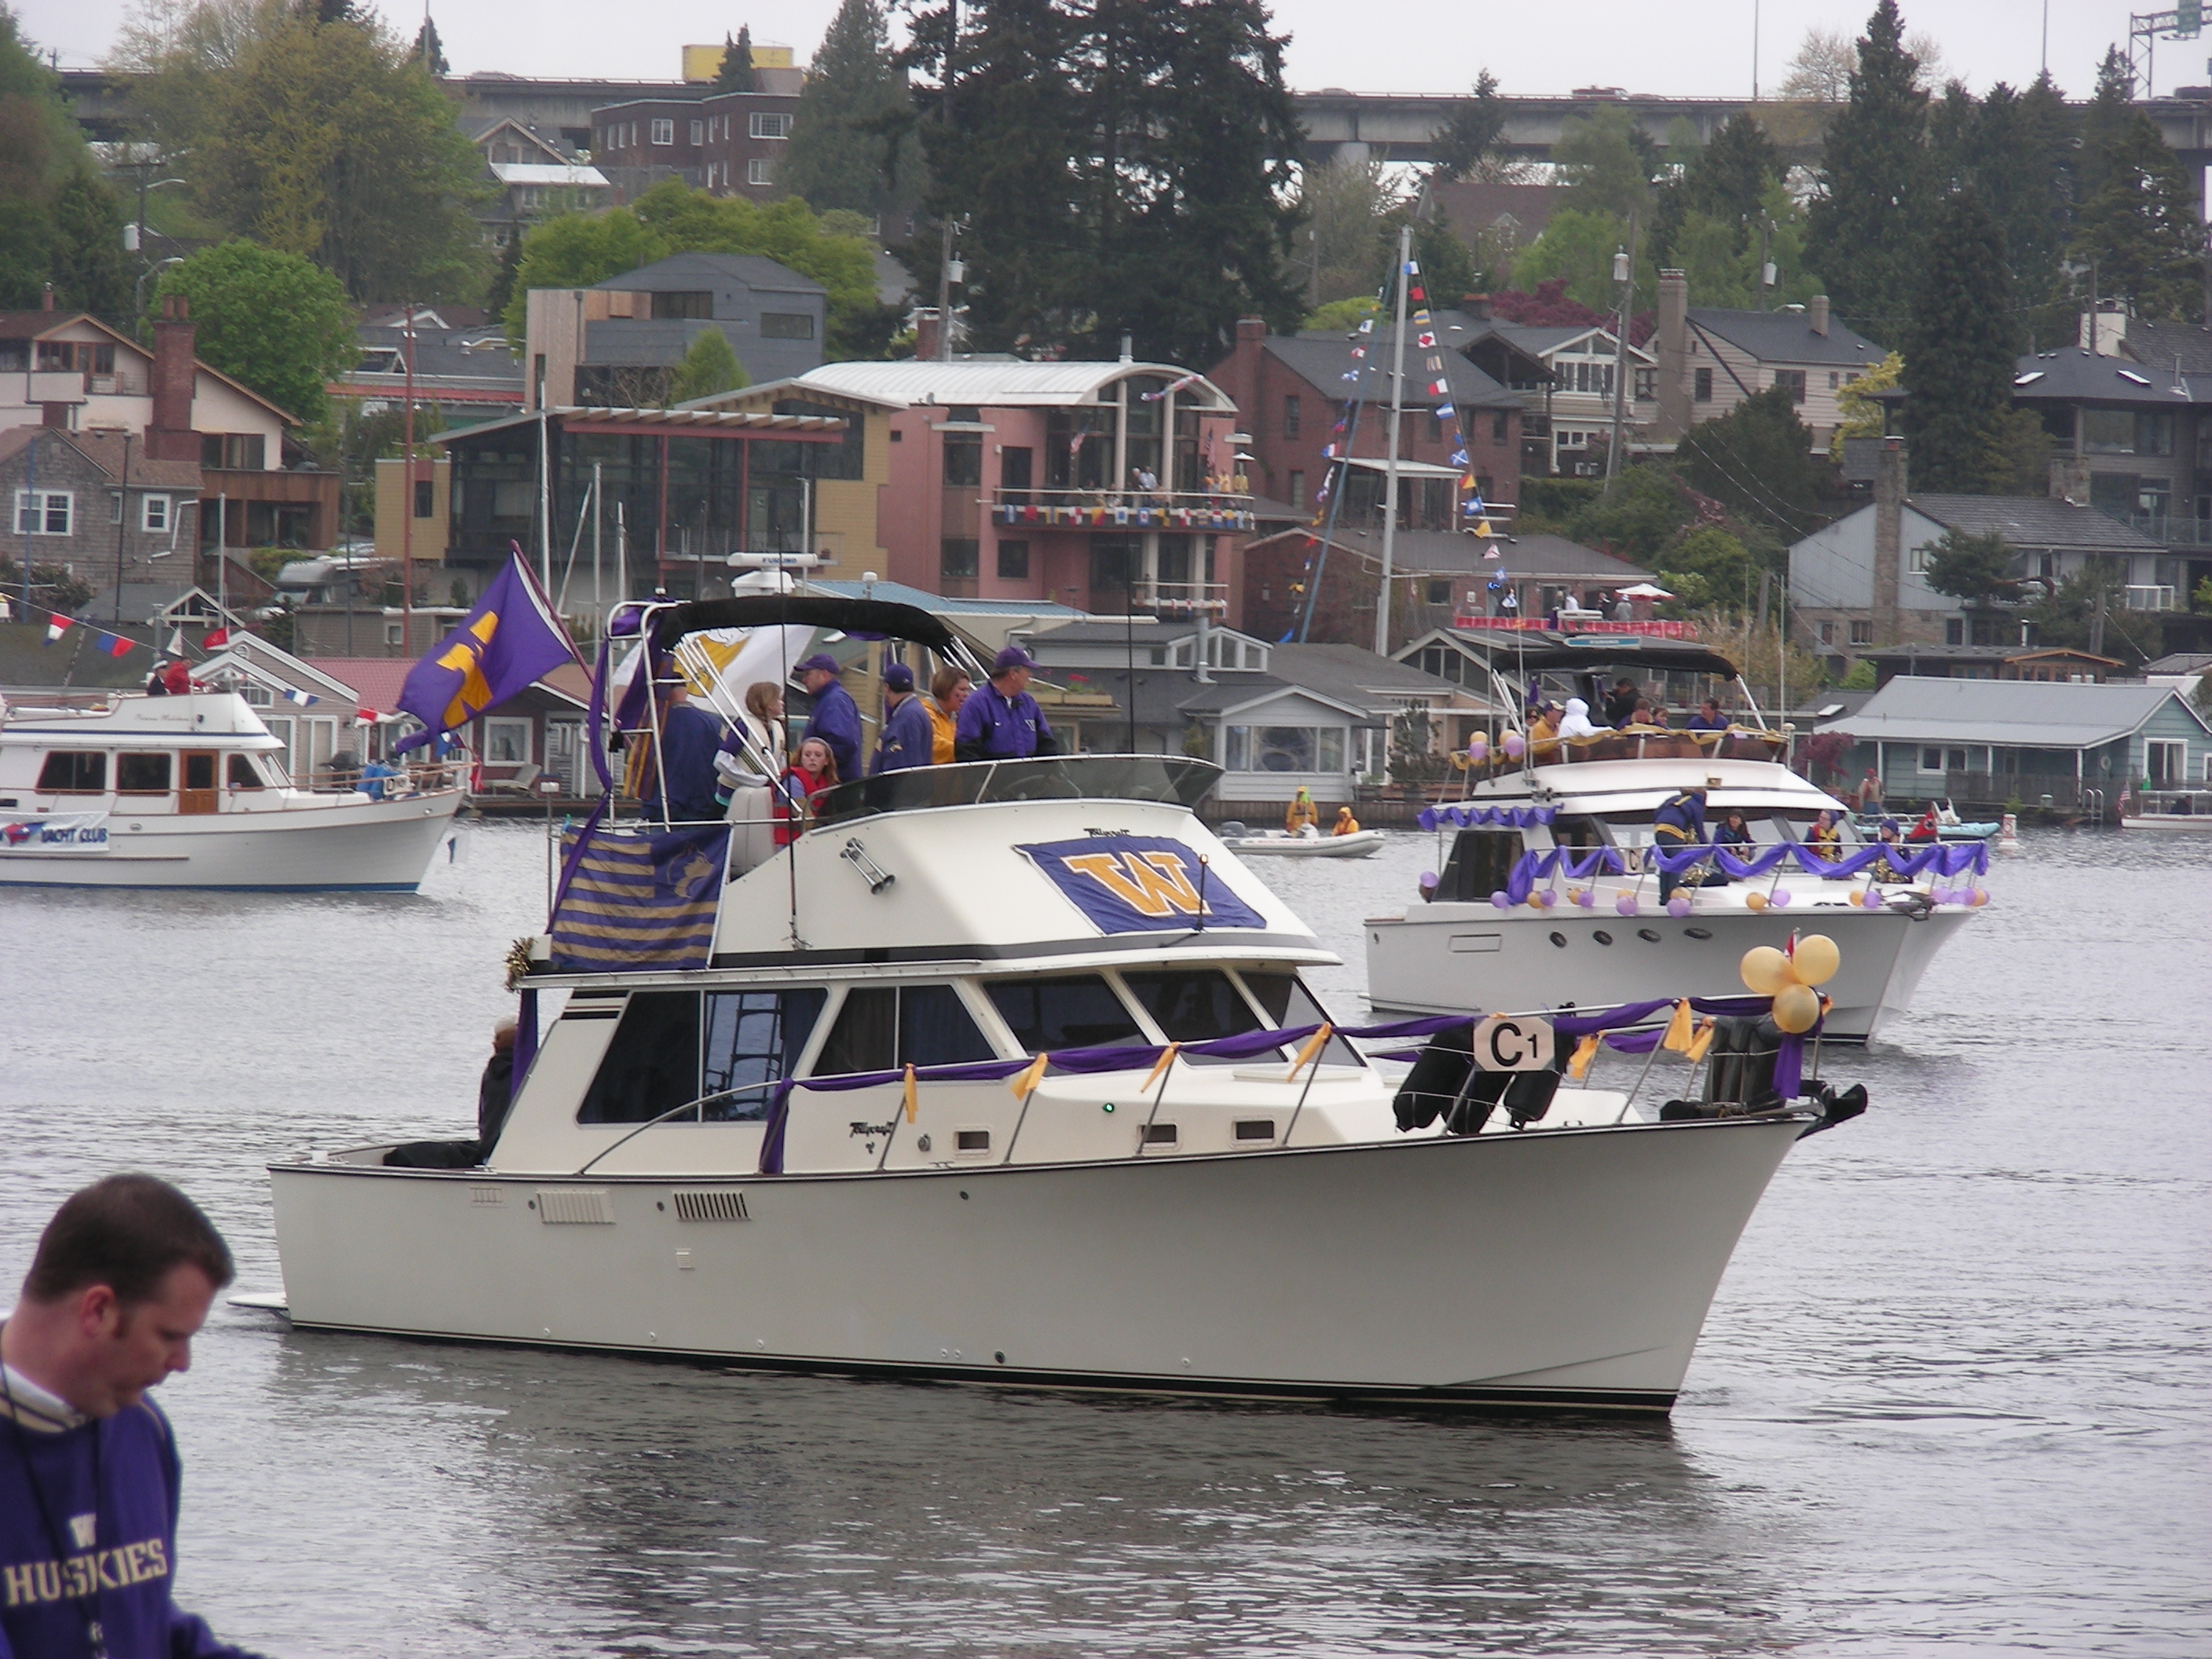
{"type": "Point", "coordinates": [1001, 721]}
{"type": "Point", "coordinates": [814, 775]}
{"type": "Point", "coordinates": [1679, 822]}
{"type": "Point", "coordinates": [755, 742]}
{"type": "Point", "coordinates": [1575, 722]}
{"type": "Point", "coordinates": [948, 689]}
{"type": "Point", "coordinates": [687, 779]}
{"type": "Point", "coordinates": [835, 718]}
{"type": "Point", "coordinates": [1620, 704]}
{"type": "Point", "coordinates": [1824, 837]}
{"type": "Point", "coordinates": [1709, 717]}
{"type": "Point", "coordinates": [906, 741]}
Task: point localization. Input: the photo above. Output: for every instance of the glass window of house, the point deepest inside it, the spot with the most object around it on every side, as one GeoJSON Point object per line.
{"type": "Point", "coordinates": [664, 132]}
{"type": "Point", "coordinates": [786, 326]}
{"type": "Point", "coordinates": [1079, 1012]}
{"type": "Point", "coordinates": [957, 557]}
{"type": "Point", "coordinates": [963, 459]}
{"type": "Point", "coordinates": [1013, 561]}
{"type": "Point", "coordinates": [2108, 431]}
{"type": "Point", "coordinates": [1237, 748]}
{"type": "Point", "coordinates": [1284, 748]}
{"type": "Point", "coordinates": [506, 742]}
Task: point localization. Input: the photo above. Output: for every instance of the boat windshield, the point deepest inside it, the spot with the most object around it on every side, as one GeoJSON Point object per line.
{"type": "Point", "coordinates": [1174, 778]}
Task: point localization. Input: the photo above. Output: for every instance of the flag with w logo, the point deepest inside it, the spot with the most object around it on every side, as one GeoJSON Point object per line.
{"type": "Point", "coordinates": [508, 642]}
{"type": "Point", "coordinates": [638, 901]}
{"type": "Point", "coordinates": [1141, 883]}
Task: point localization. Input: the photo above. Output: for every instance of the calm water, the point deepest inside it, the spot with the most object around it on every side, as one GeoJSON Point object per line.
{"type": "Point", "coordinates": [1954, 1395]}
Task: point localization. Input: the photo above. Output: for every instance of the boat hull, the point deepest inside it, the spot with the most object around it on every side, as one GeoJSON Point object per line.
{"type": "Point", "coordinates": [1444, 957]}
{"type": "Point", "coordinates": [1361, 844]}
{"type": "Point", "coordinates": [359, 846]}
{"type": "Point", "coordinates": [1566, 1268]}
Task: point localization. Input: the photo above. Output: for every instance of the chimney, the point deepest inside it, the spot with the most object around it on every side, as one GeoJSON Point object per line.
{"type": "Point", "coordinates": [1816, 314]}
{"type": "Point", "coordinates": [1476, 305]}
{"type": "Point", "coordinates": [1889, 484]}
{"type": "Point", "coordinates": [46, 298]}
{"type": "Point", "coordinates": [169, 435]}
{"type": "Point", "coordinates": [1239, 375]}
{"type": "Point", "coordinates": [57, 415]}
{"type": "Point", "coordinates": [1672, 334]}
{"type": "Point", "coordinates": [925, 335]}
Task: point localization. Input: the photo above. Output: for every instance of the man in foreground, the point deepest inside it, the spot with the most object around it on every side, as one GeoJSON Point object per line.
{"type": "Point", "coordinates": [1001, 721]}
{"type": "Point", "coordinates": [122, 1279]}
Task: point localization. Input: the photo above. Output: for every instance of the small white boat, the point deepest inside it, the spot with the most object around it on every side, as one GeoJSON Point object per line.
{"type": "Point", "coordinates": [1007, 1073]}
{"type": "Point", "coordinates": [2170, 809]}
{"type": "Point", "coordinates": [1276, 843]}
{"type": "Point", "coordinates": [122, 789]}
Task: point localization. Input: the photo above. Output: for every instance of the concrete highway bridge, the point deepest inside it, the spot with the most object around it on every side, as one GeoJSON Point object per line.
{"type": "Point", "coordinates": [1391, 126]}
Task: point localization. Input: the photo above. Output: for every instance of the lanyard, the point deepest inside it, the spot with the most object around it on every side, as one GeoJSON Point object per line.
{"type": "Point", "coordinates": [88, 1606]}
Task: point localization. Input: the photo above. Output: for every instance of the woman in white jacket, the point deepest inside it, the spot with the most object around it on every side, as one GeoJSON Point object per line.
{"type": "Point", "coordinates": [749, 791]}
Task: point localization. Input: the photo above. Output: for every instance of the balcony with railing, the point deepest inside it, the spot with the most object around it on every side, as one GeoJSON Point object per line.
{"type": "Point", "coordinates": [1122, 510]}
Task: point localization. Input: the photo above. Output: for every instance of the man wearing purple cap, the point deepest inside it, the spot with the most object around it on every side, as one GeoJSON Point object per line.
{"type": "Point", "coordinates": [1001, 721]}
{"type": "Point", "coordinates": [835, 720]}
{"type": "Point", "coordinates": [907, 737]}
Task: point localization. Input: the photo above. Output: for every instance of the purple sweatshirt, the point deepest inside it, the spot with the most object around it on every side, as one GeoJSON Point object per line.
{"type": "Point", "coordinates": [107, 1554]}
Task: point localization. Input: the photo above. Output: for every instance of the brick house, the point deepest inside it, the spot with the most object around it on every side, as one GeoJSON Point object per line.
{"type": "Point", "coordinates": [727, 144]}
{"type": "Point", "coordinates": [1292, 389]}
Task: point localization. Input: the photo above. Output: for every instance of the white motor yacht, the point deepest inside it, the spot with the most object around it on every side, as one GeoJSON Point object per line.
{"type": "Point", "coordinates": [124, 789]}
{"type": "Point", "coordinates": [1547, 890]}
{"type": "Point", "coordinates": [1007, 1072]}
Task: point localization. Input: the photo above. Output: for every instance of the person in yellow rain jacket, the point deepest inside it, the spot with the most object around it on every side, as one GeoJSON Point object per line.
{"type": "Point", "coordinates": [1346, 824]}
{"type": "Point", "coordinates": [1302, 818]}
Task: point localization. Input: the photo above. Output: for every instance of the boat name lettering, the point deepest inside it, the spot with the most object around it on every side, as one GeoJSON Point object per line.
{"type": "Point", "coordinates": [872, 1129]}
{"type": "Point", "coordinates": [77, 832]}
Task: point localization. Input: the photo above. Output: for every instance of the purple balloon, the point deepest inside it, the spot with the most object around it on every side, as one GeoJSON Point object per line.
{"type": "Point", "coordinates": [1428, 878]}
{"type": "Point", "coordinates": [1547, 898]}
{"type": "Point", "coordinates": [1514, 744]}
{"type": "Point", "coordinates": [1779, 896]}
{"type": "Point", "coordinates": [1625, 905]}
{"type": "Point", "coordinates": [1499, 898]}
{"type": "Point", "coordinates": [1678, 906]}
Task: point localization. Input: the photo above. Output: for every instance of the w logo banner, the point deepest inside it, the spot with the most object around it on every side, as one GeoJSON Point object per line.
{"type": "Point", "coordinates": [1141, 883]}
{"type": "Point", "coordinates": [639, 900]}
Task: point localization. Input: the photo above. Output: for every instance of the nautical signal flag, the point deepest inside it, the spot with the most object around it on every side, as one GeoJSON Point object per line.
{"type": "Point", "coordinates": [114, 645]}
{"type": "Point", "coordinates": [303, 698]}
{"type": "Point", "coordinates": [57, 626]}
{"type": "Point", "coordinates": [508, 642]}
{"type": "Point", "coordinates": [367, 716]}
{"type": "Point", "coordinates": [215, 641]}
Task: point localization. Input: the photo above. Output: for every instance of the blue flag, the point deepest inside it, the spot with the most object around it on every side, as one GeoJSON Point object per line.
{"type": "Point", "coordinates": [1140, 883]}
{"type": "Point", "coordinates": [638, 901]}
{"type": "Point", "coordinates": [509, 641]}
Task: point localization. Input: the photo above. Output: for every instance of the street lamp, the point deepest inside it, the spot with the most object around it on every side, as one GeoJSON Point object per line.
{"type": "Point", "coordinates": [138, 292]}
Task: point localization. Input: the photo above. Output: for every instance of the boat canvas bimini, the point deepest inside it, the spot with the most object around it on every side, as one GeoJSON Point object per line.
{"type": "Point", "coordinates": [1547, 893]}
{"type": "Point", "coordinates": [125, 789]}
{"type": "Point", "coordinates": [1008, 1073]}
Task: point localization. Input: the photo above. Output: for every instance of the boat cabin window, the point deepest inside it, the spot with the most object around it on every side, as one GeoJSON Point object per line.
{"type": "Point", "coordinates": [883, 1026]}
{"type": "Point", "coordinates": [749, 1039]}
{"type": "Point", "coordinates": [142, 774]}
{"type": "Point", "coordinates": [1481, 862]}
{"type": "Point", "coordinates": [1194, 1005]}
{"type": "Point", "coordinates": [243, 774]}
{"type": "Point", "coordinates": [652, 1066]}
{"type": "Point", "coordinates": [1287, 1001]}
{"type": "Point", "coordinates": [74, 772]}
{"type": "Point", "coordinates": [1079, 1011]}
{"type": "Point", "coordinates": [1579, 832]}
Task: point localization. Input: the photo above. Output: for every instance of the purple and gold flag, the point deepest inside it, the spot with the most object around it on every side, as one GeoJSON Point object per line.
{"type": "Point", "coordinates": [509, 641]}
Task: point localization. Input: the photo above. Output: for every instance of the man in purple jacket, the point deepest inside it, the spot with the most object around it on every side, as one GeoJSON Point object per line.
{"type": "Point", "coordinates": [1001, 721]}
{"type": "Point", "coordinates": [123, 1278]}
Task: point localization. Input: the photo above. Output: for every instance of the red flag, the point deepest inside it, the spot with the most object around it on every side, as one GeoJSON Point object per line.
{"type": "Point", "coordinates": [215, 641]}
{"type": "Point", "coordinates": [366, 716]}
{"type": "Point", "coordinates": [56, 626]}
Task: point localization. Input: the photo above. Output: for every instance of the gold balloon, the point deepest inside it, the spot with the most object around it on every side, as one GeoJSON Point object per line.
{"type": "Point", "coordinates": [1754, 901]}
{"type": "Point", "coordinates": [1795, 1008]}
{"type": "Point", "coordinates": [1765, 970]}
{"type": "Point", "coordinates": [1817, 959]}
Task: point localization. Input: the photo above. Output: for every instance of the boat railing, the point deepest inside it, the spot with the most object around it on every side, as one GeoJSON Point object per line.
{"type": "Point", "coordinates": [47, 704]}
{"type": "Point", "coordinates": [1639, 743]}
{"type": "Point", "coordinates": [1176, 779]}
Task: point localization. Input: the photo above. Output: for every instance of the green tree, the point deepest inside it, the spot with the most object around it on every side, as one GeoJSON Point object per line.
{"type": "Point", "coordinates": [1726, 183]}
{"type": "Point", "coordinates": [501, 292]}
{"type": "Point", "coordinates": [852, 143]}
{"type": "Point", "coordinates": [1577, 246]}
{"type": "Point", "coordinates": [59, 221]}
{"type": "Point", "coordinates": [1758, 461]}
{"type": "Point", "coordinates": [270, 320]}
{"type": "Point", "coordinates": [736, 72]}
{"type": "Point", "coordinates": [1961, 342]}
{"type": "Point", "coordinates": [2014, 151]}
{"type": "Point", "coordinates": [2136, 219]}
{"type": "Point", "coordinates": [2087, 612]}
{"type": "Point", "coordinates": [710, 366]}
{"type": "Point", "coordinates": [1708, 569]}
{"type": "Point", "coordinates": [1862, 417]}
{"type": "Point", "coordinates": [89, 268]}
{"type": "Point", "coordinates": [1975, 568]}
{"type": "Point", "coordinates": [1605, 162]}
{"type": "Point", "coordinates": [2016, 450]}
{"type": "Point", "coordinates": [578, 249]}
{"type": "Point", "coordinates": [1876, 183]}
{"type": "Point", "coordinates": [1636, 518]}
{"type": "Point", "coordinates": [328, 141]}
{"type": "Point", "coordinates": [1348, 235]}
{"type": "Point", "coordinates": [1342, 316]}
{"type": "Point", "coordinates": [1469, 136]}
{"type": "Point", "coordinates": [429, 50]}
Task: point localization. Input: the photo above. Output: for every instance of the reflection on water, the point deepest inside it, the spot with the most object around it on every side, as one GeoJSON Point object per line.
{"type": "Point", "coordinates": [1952, 1394]}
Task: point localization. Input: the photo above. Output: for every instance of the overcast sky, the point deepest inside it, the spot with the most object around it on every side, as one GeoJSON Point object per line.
{"type": "Point", "coordinates": [1700, 48]}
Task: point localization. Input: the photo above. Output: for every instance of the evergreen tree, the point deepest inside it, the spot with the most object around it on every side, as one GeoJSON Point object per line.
{"type": "Point", "coordinates": [852, 143]}
{"type": "Point", "coordinates": [502, 290]}
{"type": "Point", "coordinates": [1758, 461]}
{"type": "Point", "coordinates": [1960, 345]}
{"type": "Point", "coordinates": [1727, 182]}
{"type": "Point", "coordinates": [89, 268]}
{"type": "Point", "coordinates": [1469, 133]}
{"type": "Point", "coordinates": [1975, 568]}
{"type": "Point", "coordinates": [1866, 225]}
{"type": "Point", "coordinates": [60, 222]}
{"type": "Point", "coordinates": [2037, 213]}
{"type": "Point", "coordinates": [709, 366]}
{"type": "Point", "coordinates": [737, 73]}
{"type": "Point", "coordinates": [429, 50]}
{"type": "Point", "coordinates": [2137, 214]}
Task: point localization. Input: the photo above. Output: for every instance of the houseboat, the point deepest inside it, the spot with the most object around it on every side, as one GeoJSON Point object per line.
{"type": "Point", "coordinates": [1009, 1072]}
{"type": "Point", "coordinates": [126, 789]}
{"type": "Point", "coordinates": [1546, 892]}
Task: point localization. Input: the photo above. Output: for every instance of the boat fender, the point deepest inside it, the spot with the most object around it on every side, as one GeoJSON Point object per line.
{"type": "Point", "coordinates": [1836, 1106]}
{"type": "Point", "coordinates": [1438, 1076]}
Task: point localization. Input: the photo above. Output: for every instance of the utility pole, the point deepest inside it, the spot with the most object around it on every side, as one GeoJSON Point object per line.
{"type": "Point", "coordinates": [406, 497]}
{"type": "Point", "coordinates": [945, 231]}
{"type": "Point", "coordinates": [122, 524]}
{"type": "Point", "coordinates": [1390, 466]}
{"type": "Point", "coordinates": [1623, 272]}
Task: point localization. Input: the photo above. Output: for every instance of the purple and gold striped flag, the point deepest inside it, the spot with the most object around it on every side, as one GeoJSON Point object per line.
{"type": "Point", "coordinates": [635, 900]}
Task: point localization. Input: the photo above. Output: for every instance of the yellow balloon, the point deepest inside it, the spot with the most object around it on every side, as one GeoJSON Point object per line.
{"type": "Point", "coordinates": [1795, 1008]}
{"type": "Point", "coordinates": [1817, 959]}
{"type": "Point", "coordinates": [1765, 970]}
{"type": "Point", "coordinates": [1754, 901]}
